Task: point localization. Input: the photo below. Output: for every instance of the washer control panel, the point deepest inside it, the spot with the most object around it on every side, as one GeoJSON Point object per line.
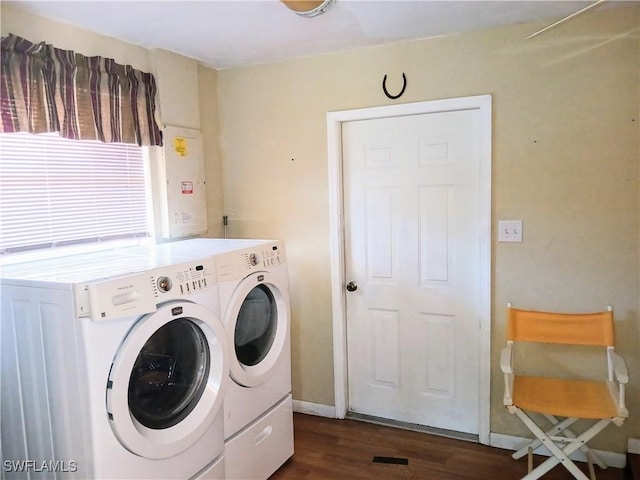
{"type": "Point", "coordinates": [179, 281]}
{"type": "Point", "coordinates": [140, 293]}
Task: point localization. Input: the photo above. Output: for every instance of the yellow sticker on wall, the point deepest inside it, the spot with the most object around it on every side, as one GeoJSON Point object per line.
{"type": "Point", "coordinates": [180, 146]}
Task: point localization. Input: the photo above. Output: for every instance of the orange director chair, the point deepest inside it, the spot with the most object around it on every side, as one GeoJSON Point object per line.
{"type": "Point", "coordinates": [570, 399]}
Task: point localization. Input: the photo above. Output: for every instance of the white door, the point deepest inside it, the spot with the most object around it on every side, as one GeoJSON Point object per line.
{"type": "Point", "coordinates": [412, 248]}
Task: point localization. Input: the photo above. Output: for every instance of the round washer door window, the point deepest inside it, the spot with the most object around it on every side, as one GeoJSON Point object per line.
{"type": "Point", "coordinates": [258, 314]}
{"type": "Point", "coordinates": [169, 374]}
{"type": "Point", "coordinates": [167, 379]}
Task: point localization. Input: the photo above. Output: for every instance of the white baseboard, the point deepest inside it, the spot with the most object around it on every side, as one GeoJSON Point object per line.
{"type": "Point", "coordinates": [633, 446]}
{"type": "Point", "coordinates": [317, 409]}
{"type": "Point", "coordinates": [510, 442]}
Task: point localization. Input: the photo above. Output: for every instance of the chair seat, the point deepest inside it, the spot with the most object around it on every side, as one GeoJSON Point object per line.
{"type": "Point", "coordinates": [564, 398]}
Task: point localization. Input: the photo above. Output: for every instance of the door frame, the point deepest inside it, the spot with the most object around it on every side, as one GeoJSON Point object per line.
{"type": "Point", "coordinates": [336, 234]}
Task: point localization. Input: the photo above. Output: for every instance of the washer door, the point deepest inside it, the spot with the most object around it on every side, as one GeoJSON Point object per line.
{"type": "Point", "coordinates": [167, 380]}
{"type": "Point", "coordinates": [258, 316]}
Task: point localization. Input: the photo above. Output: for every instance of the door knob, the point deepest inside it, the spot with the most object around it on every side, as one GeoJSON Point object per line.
{"type": "Point", "coordinates": [352, 286]}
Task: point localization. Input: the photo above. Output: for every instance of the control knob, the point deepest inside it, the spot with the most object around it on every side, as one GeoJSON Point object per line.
{"type": "Point", "coordinates": [164, 284]}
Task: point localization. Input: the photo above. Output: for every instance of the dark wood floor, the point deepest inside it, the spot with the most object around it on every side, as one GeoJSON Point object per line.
{"type": "Point", "coordinates": [329, 449]}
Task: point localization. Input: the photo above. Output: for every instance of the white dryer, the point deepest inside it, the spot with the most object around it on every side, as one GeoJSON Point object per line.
{"type": "Point", "coordinates": [254, 306]}
{"type": "Point", "coordinates": [113, 365]}
{"type": "Point", "coordinates": [254, 301]}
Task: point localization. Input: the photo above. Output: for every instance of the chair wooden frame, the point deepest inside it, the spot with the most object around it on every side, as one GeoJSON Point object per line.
{"type": "Point", "coordinates": [571, 399]}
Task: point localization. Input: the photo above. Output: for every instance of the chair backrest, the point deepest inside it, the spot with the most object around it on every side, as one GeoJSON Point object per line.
{"type": "Point", "coordinates": [564, 328]}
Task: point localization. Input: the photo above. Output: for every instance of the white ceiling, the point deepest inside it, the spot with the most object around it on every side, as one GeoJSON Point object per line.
{"type": "Point", "coordinates": [231, 33]}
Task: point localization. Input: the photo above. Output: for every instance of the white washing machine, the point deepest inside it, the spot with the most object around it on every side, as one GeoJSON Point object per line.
{"type": "Point", "coordinates": [114, 365]}
{"type": "Point", "coordinates": [254, 307]}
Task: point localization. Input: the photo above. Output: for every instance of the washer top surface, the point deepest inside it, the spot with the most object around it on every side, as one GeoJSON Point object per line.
{"type": "Point", "coordinates": [94, 266]}
{"type": "Point", "coordinates": [122, 262]}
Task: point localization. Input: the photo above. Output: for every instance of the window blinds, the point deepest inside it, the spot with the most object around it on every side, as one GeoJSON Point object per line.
{"type": "Point", "coordinates": [55, 191]}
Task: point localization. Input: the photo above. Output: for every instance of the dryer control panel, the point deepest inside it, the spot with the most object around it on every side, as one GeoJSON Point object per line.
{"type": "Point", "coordinates": [140, 293]}
{"type": "Point", "coordinates": [240, 263]}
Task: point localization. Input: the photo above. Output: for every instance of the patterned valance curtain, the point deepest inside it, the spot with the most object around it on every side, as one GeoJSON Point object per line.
{"type": "Point", "coordinates": [46, 89]}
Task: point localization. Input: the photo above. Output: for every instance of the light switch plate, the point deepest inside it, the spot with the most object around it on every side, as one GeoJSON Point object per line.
{"type": "Point", "coordinates": [510, 231]}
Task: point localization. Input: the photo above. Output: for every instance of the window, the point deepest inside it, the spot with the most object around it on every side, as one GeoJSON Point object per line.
{"type": "Point", "coordinates": [58, 192]}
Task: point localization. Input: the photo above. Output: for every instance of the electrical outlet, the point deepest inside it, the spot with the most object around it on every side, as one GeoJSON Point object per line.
{"type": "Point", "coordinates": [510, 231]}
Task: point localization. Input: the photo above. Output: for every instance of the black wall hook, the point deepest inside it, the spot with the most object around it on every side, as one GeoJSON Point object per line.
{"type": "Point", "coordinates": [393, 97]}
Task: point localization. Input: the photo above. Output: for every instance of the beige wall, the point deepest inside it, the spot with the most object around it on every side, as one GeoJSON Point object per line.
{"type": "Point", "coordinates": [209, 124]}
{"type": "Point", "coordinates": [565, 161]}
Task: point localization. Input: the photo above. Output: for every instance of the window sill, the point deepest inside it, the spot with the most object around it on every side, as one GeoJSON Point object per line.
{"type": "Point", "coordinates": [56, 252]}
